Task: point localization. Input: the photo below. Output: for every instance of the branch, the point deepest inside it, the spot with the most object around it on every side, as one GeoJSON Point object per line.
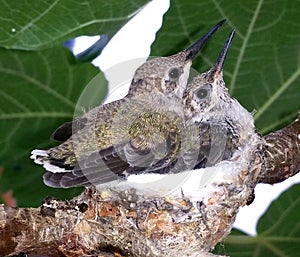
{"type": "Point", "coordinates": [104, 223]}
{"type": "Point", "coordinates": [51, 230]}
{"type": "Point", "coordinates": [281, 154]}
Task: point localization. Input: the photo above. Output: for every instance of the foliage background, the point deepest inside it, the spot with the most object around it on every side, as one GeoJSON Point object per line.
{"type": "Point", "coordinates": [40, 82]}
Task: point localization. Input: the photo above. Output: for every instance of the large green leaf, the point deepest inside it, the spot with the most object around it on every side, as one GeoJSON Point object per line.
{"type": "Point", "coordinates": [31, 24]}
{"type": "Point", "coordinates": [39, 91]}
{"type": "Point", "coordinates": [278, 231]}
{"type": "Point", "coordinates": [263, 66]}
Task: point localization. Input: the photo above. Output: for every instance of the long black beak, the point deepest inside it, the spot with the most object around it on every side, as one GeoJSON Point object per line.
{"type": "Point", "coordinates": [217, 69]}
{"type": "Point", "coordinates": [195, 48]}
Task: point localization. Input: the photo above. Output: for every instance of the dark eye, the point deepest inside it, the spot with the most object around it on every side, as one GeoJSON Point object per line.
{"type": "Point", "coordinates": [203, 92]}
{"type": "Point", "coordinates": [174, 73]}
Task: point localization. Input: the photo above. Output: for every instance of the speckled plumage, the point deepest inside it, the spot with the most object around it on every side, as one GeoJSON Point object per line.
{"type": "Point", "coordinates": [208, 108]}
{"type": "Point", "coordinates": [223, 124]}
{"type": "Point", "coordinates": [215, 124]}
{"type": "Point", "coordinates": [110, 139]}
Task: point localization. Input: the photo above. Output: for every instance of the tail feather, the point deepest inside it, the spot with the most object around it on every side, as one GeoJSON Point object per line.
{"type": "Point", "coordinates": [42, 157]}
{"type": "Point", "coordinates": [64, 180]}
{"type": "Point", "coordinates": [38, 155]}
{"type": "Point", "coordinates": [96, 169]}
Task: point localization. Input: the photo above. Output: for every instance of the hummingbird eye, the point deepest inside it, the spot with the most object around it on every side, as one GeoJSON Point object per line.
{"type": "Point", "coordinates": [175, 73]}
{"type": "Point", "coordinates": [203, 92]}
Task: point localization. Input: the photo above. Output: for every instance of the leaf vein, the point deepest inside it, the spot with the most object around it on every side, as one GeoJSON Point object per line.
{"type": "Point", "coordinates": [277, 93]}
{"type": "Point", "coordinates": [244, 46]}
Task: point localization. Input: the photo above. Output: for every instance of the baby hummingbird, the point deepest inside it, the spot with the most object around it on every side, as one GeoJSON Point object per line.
{"type": "Point", "coordinates": [134, 131]}
{"type": "Point", "coordinates": [222, 124]}
{"type": "Point", "coordinates": [218, 143]}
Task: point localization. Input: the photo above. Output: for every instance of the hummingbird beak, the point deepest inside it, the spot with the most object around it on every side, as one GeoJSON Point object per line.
{"type": "Point", "coordinates": [195, 48]}
{"type": "Point", "coordinates": [217, 69]}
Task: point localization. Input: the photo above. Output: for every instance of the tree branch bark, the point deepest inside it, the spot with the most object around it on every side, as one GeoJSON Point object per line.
{"type": "Point", "coordinates": [281, 154]}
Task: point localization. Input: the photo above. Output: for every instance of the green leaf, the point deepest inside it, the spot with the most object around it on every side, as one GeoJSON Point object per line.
{"type": "Point", "coordinates": [263, 66]}
{"type": "Point", "coordinates": [278, 231]}
{"type": "Point", "coordinates": [32, 25]}
{"type": "Point", "coordinates": [39, 91]}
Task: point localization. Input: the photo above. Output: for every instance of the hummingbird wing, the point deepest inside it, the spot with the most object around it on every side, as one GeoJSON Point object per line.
{"type": "Point", "coordinates": [106, 165]}
{"type": "Point", "coordinates": [217, 142]}
{"type": "Point", "coordinates": [98, 168]}
{"type": "Point", "coordinates": [147, 143]}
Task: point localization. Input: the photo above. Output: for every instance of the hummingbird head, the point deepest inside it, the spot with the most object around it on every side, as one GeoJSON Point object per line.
{"type": "Point", "coordinates": [207, 94]}
{"type": "Point", "coordinates": [168, 75]}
